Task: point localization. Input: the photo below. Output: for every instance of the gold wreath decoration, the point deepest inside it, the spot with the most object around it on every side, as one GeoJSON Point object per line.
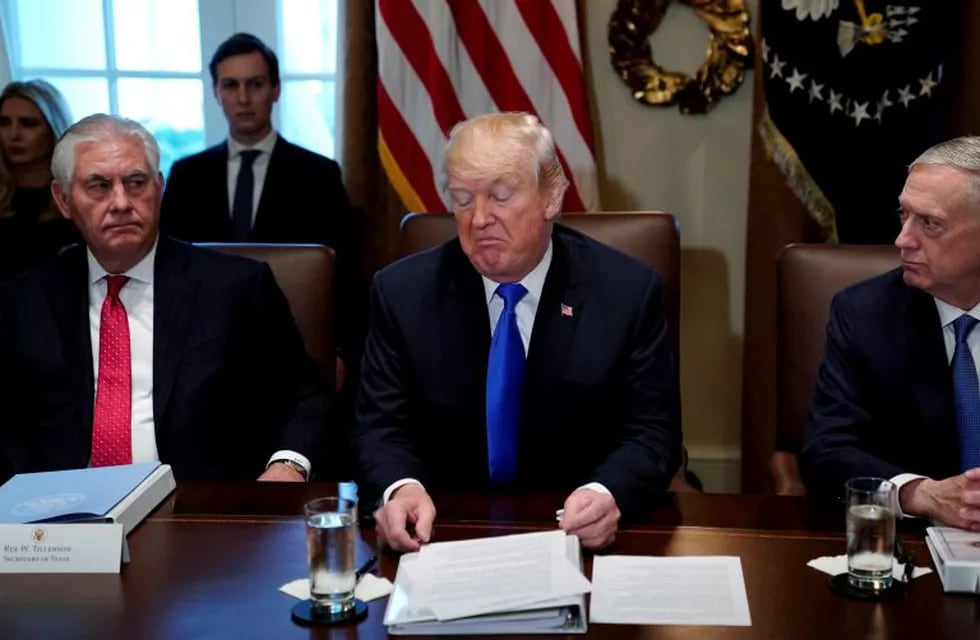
{"type": "Point", "coordinates": [730, 50]}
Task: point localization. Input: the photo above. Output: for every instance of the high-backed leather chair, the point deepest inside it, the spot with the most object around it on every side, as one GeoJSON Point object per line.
{"type": "Point", "coordinates": [305, 273]}
{"type": "Point", "coordinates": [649, 236]}
{"type": "Point", "coordinates": [808, 276]}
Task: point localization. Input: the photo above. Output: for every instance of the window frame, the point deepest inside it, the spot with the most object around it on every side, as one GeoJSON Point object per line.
{"type": "Point", "coordinates": [218, 19]}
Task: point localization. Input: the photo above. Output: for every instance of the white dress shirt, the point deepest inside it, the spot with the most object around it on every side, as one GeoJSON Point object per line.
{"type": "Point", "coordinates": [137, 298]}
{"type": "Point", "coordinates": [527, 309]}
{"type": "Point", "coordinates": [260, 167]}
{"type": "Point", "coordinates": [947, 316]}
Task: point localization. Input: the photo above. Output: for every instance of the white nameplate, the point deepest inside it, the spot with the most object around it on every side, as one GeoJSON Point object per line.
{"type": "Point", "coordinates": [61, 548]}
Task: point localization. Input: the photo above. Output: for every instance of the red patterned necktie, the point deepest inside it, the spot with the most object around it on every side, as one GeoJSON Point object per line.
{"type": "Point", "coordinates": [112, 427]}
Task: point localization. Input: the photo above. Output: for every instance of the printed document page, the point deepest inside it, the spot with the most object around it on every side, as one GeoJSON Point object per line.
{"type": "Point", "coordinates": [405, 616]}
{"type": "Point", "coordinates": [472, 577]}
{"type": "Point", "coordinates": [707, 590]}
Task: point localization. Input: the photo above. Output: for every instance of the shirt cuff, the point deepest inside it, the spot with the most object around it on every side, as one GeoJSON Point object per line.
{"type": "Point", "coordinates": [395, 485]}
{"type": "Point", "coordinates": [899, 481]}
{"type": "Point", "coordinates": [292, 456]}
{"type": "Point", "coordinates": [598, 487]}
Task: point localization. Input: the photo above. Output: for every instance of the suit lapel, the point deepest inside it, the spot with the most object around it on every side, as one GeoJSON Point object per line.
{"type": "Point", "coordinates": [557, 318]}
{"type": "Point", "coordinates": [929, 365]}
{"type": "Point", "coordinates": [68, 294]}
{"type": "Point", "coordinates": [221, 180]}
{"type": "Point", "coordinates": [218, 180]}
{"type": "Point", "coordinates": [465, 309]}
{"type": "Point", "coordinates": [174, 293]}
{"type": "Point", "coordinates": [209, 197]}
{"type": "Point", "coordinates": [274, 176]}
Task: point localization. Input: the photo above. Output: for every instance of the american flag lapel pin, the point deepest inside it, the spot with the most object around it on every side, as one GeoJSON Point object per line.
{"type": "Point", "coordinates": [566, 311]}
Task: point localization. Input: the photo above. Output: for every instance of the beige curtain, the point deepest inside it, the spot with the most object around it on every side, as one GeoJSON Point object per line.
{"type": "Point", "coordinates": [365, 179]}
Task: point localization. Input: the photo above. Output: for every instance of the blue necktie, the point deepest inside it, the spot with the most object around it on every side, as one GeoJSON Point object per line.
{"type": "Point", "coordinates": [967, 395]}
{"type": "Point", "coordinates": [241, 210]}
{"type": "Point", "coordinates": [505, 381]}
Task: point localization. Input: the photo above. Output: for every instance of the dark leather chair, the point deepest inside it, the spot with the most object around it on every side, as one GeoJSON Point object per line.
{"type": "Point", "coordinates": [808, 276]}
{"type": "Point", "coordinates": [651, 237]}
{"type": "Point", "coordinates": [305, 273]}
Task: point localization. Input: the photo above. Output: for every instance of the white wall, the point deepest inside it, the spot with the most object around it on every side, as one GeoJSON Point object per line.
{"type": "Point", "coordinates": [696, 167]}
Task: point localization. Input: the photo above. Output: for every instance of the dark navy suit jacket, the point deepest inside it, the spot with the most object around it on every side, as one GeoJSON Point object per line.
{"type": "Point", "coordinates": [883, 402]}
{"type": "Point", "coordinates": [232, 382]}
{"type": "Point", "coordinates": [303, 201]}
{"type": "Point", "coordinates": [600, 396]}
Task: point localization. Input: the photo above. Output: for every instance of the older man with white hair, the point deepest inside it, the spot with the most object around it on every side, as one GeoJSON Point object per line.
{"type": "Point", "coordinates": [898, 394]}
{"type": "Point", "coordinates": [136, 347]}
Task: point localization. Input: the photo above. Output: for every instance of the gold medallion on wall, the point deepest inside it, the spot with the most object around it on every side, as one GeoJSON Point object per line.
{"type": "Point", "coordinates": [730, 50]}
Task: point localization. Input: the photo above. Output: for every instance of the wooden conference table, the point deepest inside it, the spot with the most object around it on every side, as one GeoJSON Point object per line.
{"type": "Point", "coordinates": [208, 563]}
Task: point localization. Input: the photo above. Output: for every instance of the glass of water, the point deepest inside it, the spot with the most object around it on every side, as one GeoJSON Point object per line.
{"type": "Point", "coordinates": [871, 506]}
{"type": "Point", "coordinates": [331, 540]}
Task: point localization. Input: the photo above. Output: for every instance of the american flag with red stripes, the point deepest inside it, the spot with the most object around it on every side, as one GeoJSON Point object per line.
{"type": "Point", "coordinates": [443, 61]}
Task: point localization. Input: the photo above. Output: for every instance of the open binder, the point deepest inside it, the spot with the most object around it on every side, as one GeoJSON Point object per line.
{"type": "Point", "coordinates": [564, 614]}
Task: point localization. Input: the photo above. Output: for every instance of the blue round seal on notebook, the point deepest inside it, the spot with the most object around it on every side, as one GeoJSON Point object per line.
{"type": "Point", "coordinates": [42, 505]}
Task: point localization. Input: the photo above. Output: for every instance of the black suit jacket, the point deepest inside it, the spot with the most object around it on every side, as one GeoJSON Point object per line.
{"type": "Point", "coordinates": [883, 403]}
{"type": "Point", "coordinates": [303, 201]}
{"type": "Point", "coordinates": [600, 394]}
{"type": "Point", "coordinates": [232, 382]}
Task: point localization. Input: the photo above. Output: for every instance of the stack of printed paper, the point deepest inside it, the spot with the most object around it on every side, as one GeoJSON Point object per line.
{"type": "Point", "coordinates": [524, 583]}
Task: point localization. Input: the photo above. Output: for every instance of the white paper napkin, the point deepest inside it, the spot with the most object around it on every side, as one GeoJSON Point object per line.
{"type": "Point", "coordinates": [369, 587]}
{"type": "Point", "coordinates": [836, 565]}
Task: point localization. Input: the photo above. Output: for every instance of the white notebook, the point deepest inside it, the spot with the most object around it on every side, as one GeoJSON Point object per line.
{"type": "Point", "coordinates": [956, 554]}
{"type": "Point", "coordinates": [520, 584]}
{"type": "Point", "coordinates": [123, 494]}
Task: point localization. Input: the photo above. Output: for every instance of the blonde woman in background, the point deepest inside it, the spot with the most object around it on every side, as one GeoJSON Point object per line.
{"type": "Point", "coordinates": [33, 115]}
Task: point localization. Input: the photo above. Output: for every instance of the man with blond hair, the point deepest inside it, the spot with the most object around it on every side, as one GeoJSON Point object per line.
{"type": "Point", "coordinates": [522, 356]}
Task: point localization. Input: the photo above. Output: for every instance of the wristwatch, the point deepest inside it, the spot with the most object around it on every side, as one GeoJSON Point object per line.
{"type": "Point", "coordinates": [295, 466]}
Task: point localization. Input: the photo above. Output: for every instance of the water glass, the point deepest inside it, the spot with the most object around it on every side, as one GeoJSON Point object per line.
{"type": "Point", "coordinates": [871, 506]}
{"type": "Point", "coordinates": [331, 541]}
